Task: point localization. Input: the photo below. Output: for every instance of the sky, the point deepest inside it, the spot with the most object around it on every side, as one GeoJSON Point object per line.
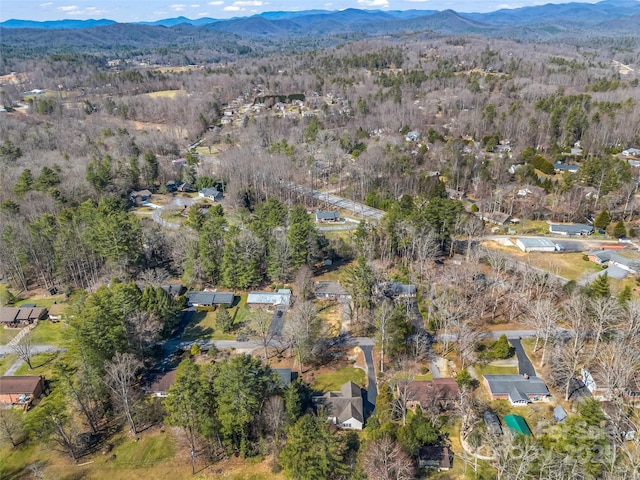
{"type": "Point", "coordinates": [151, 10]}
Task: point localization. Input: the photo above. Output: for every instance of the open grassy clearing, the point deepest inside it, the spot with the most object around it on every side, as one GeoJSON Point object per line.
{"type": "Point", "coordinates": [203, 327]}
{"type": "Point", "coordinates": [164, 94]}
{"type": "Point", "coordinates": [489, 369]}
{"type": "Point", "coordinates": [331, 315]}
{"type": "Point", "coordinates": [332, 381]}
{"type": "Point", "coordinates": [538, 415]}
{"type": "Point", "coordinates": [50, 333]}
{"type": "Point", "coordinates": [42, 364]}
{"type": "Point", "coordinates": [452, 430]}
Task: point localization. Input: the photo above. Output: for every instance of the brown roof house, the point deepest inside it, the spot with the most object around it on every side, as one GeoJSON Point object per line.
{"type": "Point", "coordinates": [20, 390]}
{"type": "Point", "coordinates": [15, 317]}
{"type": "Point", "coordinates": [439, 392]}
{"type": "Point", "coordinates": [345, 408]}
{"type": "Point", "coordinates": [438, 457]}
{"type": "Point", "coordinates": [57, 311]}
{"type": "Point", "coordinates": [157, 385]}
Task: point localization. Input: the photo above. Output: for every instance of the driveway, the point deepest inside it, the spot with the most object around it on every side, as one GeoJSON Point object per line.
{"type": "Point", "coordinates": [525, 367]}
{"type": "Point", "coordinates": [366, 345]}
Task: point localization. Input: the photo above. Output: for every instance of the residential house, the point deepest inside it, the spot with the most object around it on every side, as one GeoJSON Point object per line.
{"type": "Point", "coordinates": [570, 229]}
{"type": "Point", "coordinates": [157, 384]}
{"type": "Point", "coordinates": [455, 194]}
{"type": "Point", "coordinates": [20, 390]}
{"type": "Point", "coordinates": [345, 408]}
{"type": "Point", "coordinates": [536, 245]}
{"type": "Point", "coordinates": [437, 457]}
{"type": "Point", "coordinates": [174, 289]}
{"type": "Point", "coordinates": [565, 167]}
{"type": "Point", "coordinates": [323, 217]}
{"type": "Point", "coordinates": [530, 190]}
{"type": "Point", "coordinates": [518, 389]}
{"type": "Point", "coordinates": [443, 392]}
{"type": "Point", "coordinates": [517, 425]}
{"type": "Point", "coordinates": [492, 423]}
{"type": "Point", "coordinates": [139, 197]}
{"type": "Point", "coordinates": [210, 193]}
{"type": "Point", "coordinates": [209, 299]}
{"type": "Point", "coordinates": [497, 218]}
{"type": "Point", "coordinates": [185, 187]}
{"type": "Point", "coordinates": [603, 386]}
{"type": "Point", "coordinates": [285, 376]}
{"type": "Point", "coordinates": [330, 290]}
{"type": "Point", "coordinates": [179, 163]}
{"type": "Point", "coordinates": [559, 414]}
{"type": "Point", "coordinates": [618, 422]}
{"type": "Point", "coordinates": [16, 317]}
{"type": "Point", "coordinates": [281, 297]}
{"type": "Point", "coordinates": [395, 290]}
{"type": "Point", "coordinates": [618, 266]}
{"type": "Point", "coordinates": [412, 136]}
{"type": "Point", "coordinates": [57, 311]}
{"type": "Point", "coordinates": [631, 152]}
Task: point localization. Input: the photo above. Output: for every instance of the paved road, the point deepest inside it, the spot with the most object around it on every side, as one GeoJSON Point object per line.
{"type": "Point", "coordinates": [5, 349]}
{"type": "Point", "coordinates": [277, 321]}
{"type": "Point", "coordinates": [366, 345]}
{"type": "Point", "coordinates": [525, 367]}
{"type": "Point", "coordinates": [358, 209]}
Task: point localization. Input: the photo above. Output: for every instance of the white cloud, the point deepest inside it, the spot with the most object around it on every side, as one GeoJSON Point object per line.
{"type": "Point", "coordinates": [244, 3]}
{"type": "Point", "coordinates": [69, 8]}
{"type": "Point", "coordinates": [178, 7]}
{"type": "Point", "coordinates": [48, 4]}
{"type": "Point", "coordinates": [231, 8]}
{"type": "Point", "coordinates": [374, 3]}
{"type": "Point", "coordinates": [216, 3]}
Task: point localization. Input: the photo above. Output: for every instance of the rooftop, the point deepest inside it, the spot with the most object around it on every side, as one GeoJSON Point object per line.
{"type": "Point", "coordinates": [570, 228]}
{"type": "Point", "coordinates": [16, 385]}
{"type": "Point", "coordinates": [517, 424]}
{"type": "Point", "coordinates": [281, 297]}
{"type": "Point", "coordinates": [516, 386]}
{"type": "Point", "coordinates": [536, 242]}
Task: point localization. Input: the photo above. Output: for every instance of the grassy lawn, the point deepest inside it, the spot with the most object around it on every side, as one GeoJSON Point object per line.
{"type": "Point", "coordinates": [148, 451]}
{"type": "Point", "coordinates": [425, 377]}
{"type": "Point", "coordinates": [42, 364]}
{"type": "Point", "coordinates": [331, 315]}
{"type": "Point", "coordinates": [452, 430]}
{"type": "Point", "coordinates": [240, 312]}
{"type": "Point", "coordinates": [332, 381]}
{"type": "Point", "coordinates": [6, 334]}
{"type": "Point", "coordinates": [42, 302]}
{"type": "Point", "coordinates": [494, 370]}
{"type": "Point", "coordinates": [203, 327]}
{"type": "Point", "coordinates": [164, 94]}
{"type": "Point", "coordinates": [50, 333]}
{"type": "Point", "coordinates": [5, 362]}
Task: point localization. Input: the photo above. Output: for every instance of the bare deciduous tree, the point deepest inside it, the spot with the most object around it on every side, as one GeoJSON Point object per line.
{"type": "Point", "coordinates": [24, 349]}
{"type": "Point", "coordinates": [384, 459]}
{"type": "Point", "coordinates": [11, 427]}
{"type": "Point", "coordinates": [121, 380]}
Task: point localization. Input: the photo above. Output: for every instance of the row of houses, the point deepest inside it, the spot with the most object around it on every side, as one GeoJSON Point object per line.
{"type": "Point", "coordinates": [214, 299]}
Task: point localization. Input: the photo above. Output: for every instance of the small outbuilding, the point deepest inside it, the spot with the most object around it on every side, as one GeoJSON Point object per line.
{"type": "Point", "coordinates": [559, 414]}
{"type": "Point", "coordinates": [536, 245]}
{"type": "Point", "coordinates": [20, 390]}
{"type": "Point", "coordinates": [517, 425]}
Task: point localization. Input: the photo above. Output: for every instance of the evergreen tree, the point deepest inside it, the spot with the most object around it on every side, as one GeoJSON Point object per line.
{"type": "Point", "coordinates": [24, 183]}
{"type": "Point", "coordinates": [312, 451]}
{"type": "Point", "coordinates": [600, 286]}
{"type": "Point", "coordinates": [502, 348]}
{"type": "Point", "coordinates": [603, 220]}
{"type": "Point", "coordinates": [302, 237]}
{"type": "Point", "coordinates": [619, 231]}
{"type": "Point", "coordinates": [223, 320]}
{"type": "Point", "coordinates": [625, 295]}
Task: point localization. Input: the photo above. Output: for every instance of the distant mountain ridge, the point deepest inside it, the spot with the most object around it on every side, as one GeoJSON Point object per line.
{"type": "Point", "coordinates": [525, 22]}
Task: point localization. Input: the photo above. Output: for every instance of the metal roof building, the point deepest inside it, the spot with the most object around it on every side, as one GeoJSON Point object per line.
{"type": "Point", "coordinates": [517, 424]}
{"type": "Point", "coordinates": [536, 245]}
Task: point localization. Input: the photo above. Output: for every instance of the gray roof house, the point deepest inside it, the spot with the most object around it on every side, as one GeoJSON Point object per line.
{"type": "Point", "coordinates": [395, 290]}
{"type": "Point", "coordinates": [330, 290]}
{"type": "Point", "coordinates": [211, 193]}
{"type": "Point", "coordinates": [281, 297]}
{"type": "Point", "coordinates": [518, 389]}
{"type": "Point", "coordinates": [570, 229]}
{"type": "Point", "coordinates": [208, 299]}
{"type": "Point", "coordinates": [345, 408]}
{"type": "Point", "coordinates": [497, 218]}
{"type": "Point", "coordinates": [327, 216]}
{"type": "Point", "coordinates": [138, 197]}
{"type": "Point", "coordinates": [615, 262]}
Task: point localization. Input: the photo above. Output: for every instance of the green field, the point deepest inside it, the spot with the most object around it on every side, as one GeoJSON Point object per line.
{"type": "Point", "coordinates": [203, 327]}
{"type": "Point", "coordinates": [164, 94]}
{"type": "Point", "coordinates": [332, 381]}
{"type": "Point", "coordinates": [42, 364]}
{"type": "Point", "coordinates": [6, 334]}
{"type": "Point", "coordinates": [50, 333]}
{"type": "Point", "coordinates": [494, 370]}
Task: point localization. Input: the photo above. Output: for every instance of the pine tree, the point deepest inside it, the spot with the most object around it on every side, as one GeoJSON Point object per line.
{"type": "Point", "coordinates": [619, 231]}
{"type": "Point", "coordinates": [502, 348]}
{"type": "Point", "coordinates": [223, 320]}
{"type": "Point", "coordinates": [600, 286]}
{"type": "Point", "coordinates": [603, 220]}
